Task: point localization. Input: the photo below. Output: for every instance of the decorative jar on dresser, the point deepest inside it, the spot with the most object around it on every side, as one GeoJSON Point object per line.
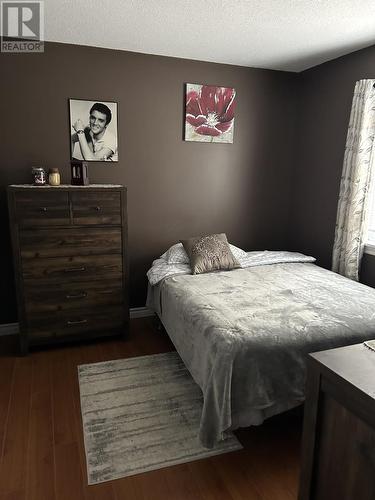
{"type": "Point", "coordinates": [70, 258]}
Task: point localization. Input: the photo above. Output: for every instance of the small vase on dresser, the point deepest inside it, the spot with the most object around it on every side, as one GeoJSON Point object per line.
{"type": "Point", "coordinates": [70, 259]}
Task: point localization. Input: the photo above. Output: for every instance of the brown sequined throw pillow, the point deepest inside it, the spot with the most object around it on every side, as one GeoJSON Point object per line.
{"type": "Point", "coordinates": [210, 253]}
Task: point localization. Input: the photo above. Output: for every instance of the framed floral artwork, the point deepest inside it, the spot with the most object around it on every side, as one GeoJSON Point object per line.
{"type": "Point", "coordinates": [209, 113]}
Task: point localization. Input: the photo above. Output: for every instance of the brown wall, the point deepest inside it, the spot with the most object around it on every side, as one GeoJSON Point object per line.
{"type": "Point", "coordinates": [326, 93]}
{"type": "Point", "coordinates": [175, 188]}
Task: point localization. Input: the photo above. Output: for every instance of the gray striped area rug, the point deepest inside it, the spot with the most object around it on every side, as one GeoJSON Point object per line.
{"type": "Point", "coordinates": [141, 414]}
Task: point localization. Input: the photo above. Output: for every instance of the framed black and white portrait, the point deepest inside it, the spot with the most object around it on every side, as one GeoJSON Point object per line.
{"type": "Point", "coordinates": [93, 130]}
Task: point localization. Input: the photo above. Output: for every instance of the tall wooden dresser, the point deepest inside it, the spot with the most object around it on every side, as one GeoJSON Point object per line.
{"type": "Point", "coordinates": [70, 258]}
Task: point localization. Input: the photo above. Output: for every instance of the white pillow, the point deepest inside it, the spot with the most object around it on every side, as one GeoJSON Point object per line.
{"type": "Point", "coordinates": [176, 254]}
{"type": "Point", "coordinates": [238, 253]}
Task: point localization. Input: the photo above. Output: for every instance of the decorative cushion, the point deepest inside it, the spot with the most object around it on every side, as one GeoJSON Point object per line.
{"type": "Point", "coordinates": [176, 254]}
{"type": "Point", "coordinates": [210, 253]}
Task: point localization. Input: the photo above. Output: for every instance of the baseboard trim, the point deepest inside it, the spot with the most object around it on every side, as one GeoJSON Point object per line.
{"type": "Point", "coordinates": [9, 329]}
{"type": "Point", "coordinates": [135, 312]}
{"type": "Point", "coordinates": [140, 312]}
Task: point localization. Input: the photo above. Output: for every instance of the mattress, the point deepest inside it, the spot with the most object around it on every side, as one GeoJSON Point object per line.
{"type": "Point", "coordinates": [245, 334]}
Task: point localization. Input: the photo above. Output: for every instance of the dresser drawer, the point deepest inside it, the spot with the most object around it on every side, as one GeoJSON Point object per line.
{"type": "Point", "coordinates": [69, 241]}
{"type": "Point", "coordinates": [42, 208]}
{"type": "Point", "coordinates": [64, 270]}
{"type": "Point", "coordinates": [75, 322]}
{"type": "Point", "coordinates": [62, 296]}
{"type": "Point", "coordinates": [90, 208]}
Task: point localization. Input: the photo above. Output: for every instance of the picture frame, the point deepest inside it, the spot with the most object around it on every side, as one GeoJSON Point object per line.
{"type": "Point", "coordinates": [209, 113]}
{"type": "Point", "coordinates": [93, 130]}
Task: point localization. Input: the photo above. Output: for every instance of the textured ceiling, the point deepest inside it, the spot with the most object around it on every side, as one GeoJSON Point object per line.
{"type": "Point", "coordinates": [276, 34]}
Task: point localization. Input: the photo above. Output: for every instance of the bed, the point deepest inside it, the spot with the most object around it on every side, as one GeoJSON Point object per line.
{"type": "Point", "coordinates": [244, 334]}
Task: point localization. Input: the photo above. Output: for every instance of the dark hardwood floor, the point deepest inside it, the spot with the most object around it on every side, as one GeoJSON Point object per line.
{"type": "Point", "coordinates": [41, 442]}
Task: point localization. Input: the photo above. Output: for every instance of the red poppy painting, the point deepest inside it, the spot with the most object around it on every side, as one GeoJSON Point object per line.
{"type": "Point", "coordinates": [209, 113]}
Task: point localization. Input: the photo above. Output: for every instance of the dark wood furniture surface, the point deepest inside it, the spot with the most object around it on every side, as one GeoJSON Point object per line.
{"type": "Point", "coordinates": [338, 448]}
{"type": "Point", "coordinates": [70, 258]}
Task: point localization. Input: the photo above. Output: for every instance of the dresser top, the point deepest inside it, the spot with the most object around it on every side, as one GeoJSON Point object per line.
{"type": "Point", "coordinates": [355, 363]}
{"type": "Point", "coordinates": [66, 186]}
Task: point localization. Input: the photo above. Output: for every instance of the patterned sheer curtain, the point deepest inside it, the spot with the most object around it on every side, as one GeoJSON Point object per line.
{"type": "Point", "coordinates": [351, 221]}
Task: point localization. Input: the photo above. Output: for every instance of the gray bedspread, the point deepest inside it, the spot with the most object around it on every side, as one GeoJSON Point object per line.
{"type": "Point", "coordinates": [244, 334]}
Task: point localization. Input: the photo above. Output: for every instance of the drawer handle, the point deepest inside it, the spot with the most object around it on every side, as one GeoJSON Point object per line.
{"type": "Point", "coordinates": [76, 322]}
{"type": "Point", "coordinates": [81, 295]}
{"type": "Point", "coordinates": [97, 208]}
{"type": "Point", "coordinates": [74, 269]}
{"type": "Point", "coordinates": [43, 209]}
{"type": "Point", "coordinates": [106, 292]}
